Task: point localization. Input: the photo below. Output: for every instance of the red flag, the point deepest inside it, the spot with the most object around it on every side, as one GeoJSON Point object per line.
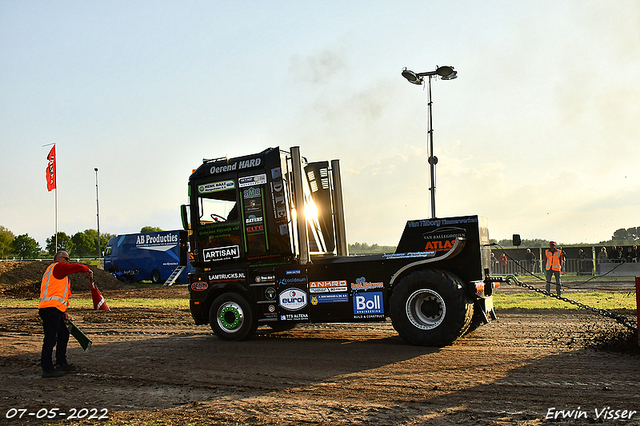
{"type": "Point", "coordinates": [51, 169]}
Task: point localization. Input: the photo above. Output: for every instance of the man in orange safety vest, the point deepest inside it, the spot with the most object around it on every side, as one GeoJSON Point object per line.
{"type": "Point", "coordinates": [52, 308]}
{"type": "Point", "coordinates": [553, 265]}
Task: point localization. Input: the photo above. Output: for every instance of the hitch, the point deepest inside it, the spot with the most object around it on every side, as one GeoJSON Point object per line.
{"type": "Point", "coordinates": [509, 279]}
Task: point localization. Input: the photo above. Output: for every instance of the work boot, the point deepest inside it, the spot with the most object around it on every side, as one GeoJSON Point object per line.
{"type": "Point", "coordinates": [67, 368]}
{"type": "Point", "coordinates": [56, 372]}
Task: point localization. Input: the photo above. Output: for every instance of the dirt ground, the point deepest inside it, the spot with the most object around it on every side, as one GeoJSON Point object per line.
{"type": "Point", "coordinates": [154, 366]}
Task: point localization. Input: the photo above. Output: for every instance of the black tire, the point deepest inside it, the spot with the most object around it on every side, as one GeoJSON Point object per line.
{"type": "Point", "coordinates": [155, 276]}
{"type": "Point", "coordinates": [430, 308]}
{"type": "Point", "coordinates": [231, 317]}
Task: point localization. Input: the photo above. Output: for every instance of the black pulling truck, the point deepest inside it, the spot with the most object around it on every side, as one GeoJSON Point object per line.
{"type": "Point", "coordinates": [268, 243]}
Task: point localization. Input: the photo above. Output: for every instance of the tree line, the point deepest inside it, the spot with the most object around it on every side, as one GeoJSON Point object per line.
{"type": "Point", "coordinates": [85, 244]}
{"type": "Point", "coordinates": [80, 244]}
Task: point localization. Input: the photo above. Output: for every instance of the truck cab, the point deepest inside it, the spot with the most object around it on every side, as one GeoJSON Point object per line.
{"type": "Point", "coordinates": [268, 243]}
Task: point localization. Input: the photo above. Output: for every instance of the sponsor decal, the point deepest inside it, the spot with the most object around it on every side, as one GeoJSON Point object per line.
{"type": "Point", "coordinates": [253, 206]}
{"type": "Point", "coordinates": [265, 278]}
{"type": "Point", "coordinates": [293, 272]}
{"type": "Point", "coordinates": [157, 242]}
{"type": "Point", "coordinates": [368, 305]}
{"type": "Point", "coordinates": [216, 186]}
{"type": "Point", "coordinates": [252, 193]}
{"type": "Point", "coordinates": [441, 222]}
{"type": "Point", "coordinates": [444, 245]}
{"type": "Point", "coordinates": [221, 253]}
{"type": "Point", "coordinates": [252, 219]}
{"type": "Point", "coordinates": [443, 238]}
{"type": "Point", "coordinates": [270, 293]}
{"type": "Point", "coordinates": [277, 195]}
{"type": "Point", "coordinates": [444, 233]}
{"type": "Point", "coordinates": [286, 281]}
{"type": "Point", "coordinates": [272, 308]}
{"type": "Point", "coordinates": [293, 299]}
{"type": "Point", "coordinates": [199, 286]}
{"type": "Point", "coordinates": [165, 242]}
{"type": "Point", "coordinates": [255, 228]}
{"type": "Point", "coordinates": [329, 298]}
{"type": "Point", "coordinates": [362, 284]}
{"type": "Point", "coordinates": [294, 317]}
{"type": "Point", "coordinates": [328, 286]}
{"type": "Point", "coordinates": [238, 165]}
{"type": "Point", "coordinates": [232, 276]}
{"type": "Point", "coordinates": [156, 239]}
{"type": "Point", "coordinates": [252, 180]}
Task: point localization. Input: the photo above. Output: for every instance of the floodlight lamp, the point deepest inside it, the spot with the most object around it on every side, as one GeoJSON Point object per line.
{"type": "Point", "coordinates": [445, 71]}
{"type": "Point", "coordinates": [411, 76]}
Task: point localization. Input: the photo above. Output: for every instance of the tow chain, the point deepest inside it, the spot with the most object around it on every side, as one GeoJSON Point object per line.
{"type": "Point", "coordinates": [512, 279]}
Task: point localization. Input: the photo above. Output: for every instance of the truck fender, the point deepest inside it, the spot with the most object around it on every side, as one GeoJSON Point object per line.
{"type": "Point", "coordinates": [457, 248]}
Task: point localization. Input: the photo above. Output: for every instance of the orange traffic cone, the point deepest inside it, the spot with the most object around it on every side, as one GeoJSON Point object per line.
{"type": "Point", "coordinates": [98, 300]}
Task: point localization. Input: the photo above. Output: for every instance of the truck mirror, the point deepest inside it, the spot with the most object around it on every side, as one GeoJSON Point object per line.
{"type": "Point", "coordinates": [516, 240]}
{"type": "Point", "coordinates": [184, 214]}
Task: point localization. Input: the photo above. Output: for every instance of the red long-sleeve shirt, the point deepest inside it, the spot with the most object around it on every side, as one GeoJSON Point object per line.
{"type": "Point", "coordinates": [62, 269]}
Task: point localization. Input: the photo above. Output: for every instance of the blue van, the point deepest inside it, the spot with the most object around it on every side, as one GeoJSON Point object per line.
{"type": "Point", "coordinates": [152, 256]}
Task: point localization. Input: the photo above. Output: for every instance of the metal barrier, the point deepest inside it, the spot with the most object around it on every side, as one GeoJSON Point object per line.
{"type": "Point", "coordinates": [571, 266]}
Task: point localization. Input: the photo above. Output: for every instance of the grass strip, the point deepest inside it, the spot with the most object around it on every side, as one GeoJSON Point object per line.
{"type": "Point", "coordinates": [608, 301]}
{"type": "Point", "coordinates": [614, 300]}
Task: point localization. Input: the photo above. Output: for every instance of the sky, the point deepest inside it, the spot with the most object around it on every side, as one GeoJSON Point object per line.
{"type": "Point", "coordinates": [539, 132]}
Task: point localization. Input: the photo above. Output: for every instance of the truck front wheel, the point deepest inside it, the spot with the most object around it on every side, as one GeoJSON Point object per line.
{"type": "Point", "coordinates": [231, 317]}
{"type": "Point", "coordinates": [429, 308]}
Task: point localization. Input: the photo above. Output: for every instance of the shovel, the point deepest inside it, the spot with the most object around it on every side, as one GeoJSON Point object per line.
{"type": "Point", "coordinates": [82, 338]}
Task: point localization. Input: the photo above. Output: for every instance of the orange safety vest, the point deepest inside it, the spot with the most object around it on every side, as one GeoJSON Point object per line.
{"type": "Point", "coordinates": [54, 293]}
{"type": "Point", "coordinates": [553, 259]}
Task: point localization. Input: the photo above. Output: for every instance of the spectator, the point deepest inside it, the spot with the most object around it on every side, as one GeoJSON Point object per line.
{"type": "Point", "coordinates": [564, 260]}
{"type": "Point", "coordinates": [583, 262]}
{"type": "Point", "coordinates": [602, 256]}
{"type": "Point", "coordinates": [630, 255]}
{"type": "Point", "coordinates": [503, 262]}
{"type": "Point", "coordinates": [532, 261]}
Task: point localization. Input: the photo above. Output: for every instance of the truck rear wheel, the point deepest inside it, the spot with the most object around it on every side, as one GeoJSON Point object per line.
{"type": "Point", "coordinates": [231, 317]}
{"type": "Point", "coordinates": [155, 276]}
{"type": "Point", "coordinates": [430, 308]}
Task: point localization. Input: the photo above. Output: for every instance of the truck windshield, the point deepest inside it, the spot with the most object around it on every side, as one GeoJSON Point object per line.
{"type": "Point", "coordinates": [218, 207]}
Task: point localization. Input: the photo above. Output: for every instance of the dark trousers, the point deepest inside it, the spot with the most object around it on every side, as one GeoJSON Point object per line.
{"type": "Point", "coordinates": [56, 335]}
{"type": "Point", "coordinates": [550, 273]}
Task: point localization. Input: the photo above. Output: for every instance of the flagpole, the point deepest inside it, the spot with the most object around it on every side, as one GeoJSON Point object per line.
{"type": "Point", "coordinates": [56, 215]}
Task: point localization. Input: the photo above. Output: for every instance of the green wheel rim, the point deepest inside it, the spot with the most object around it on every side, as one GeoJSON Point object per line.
{"type": "Point", "coordinates": [230, 317]}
